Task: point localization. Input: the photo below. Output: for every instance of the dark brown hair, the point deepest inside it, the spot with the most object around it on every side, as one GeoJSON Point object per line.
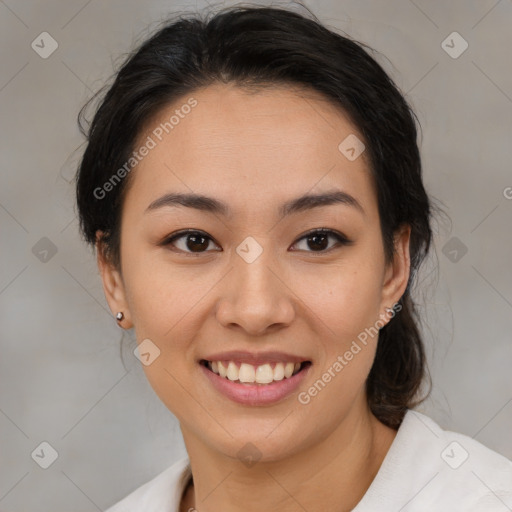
{"type": "Point", "coordinates": [258, 47]}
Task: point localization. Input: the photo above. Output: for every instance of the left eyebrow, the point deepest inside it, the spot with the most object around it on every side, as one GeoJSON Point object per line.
{"type": "Point", "coordinates": [309, 201]}
{"type": "Point", "coordinates": [299, 204]}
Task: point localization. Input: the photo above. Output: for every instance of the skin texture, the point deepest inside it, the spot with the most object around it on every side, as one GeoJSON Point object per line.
{"type": "Point", "coordinates": [255, 151]}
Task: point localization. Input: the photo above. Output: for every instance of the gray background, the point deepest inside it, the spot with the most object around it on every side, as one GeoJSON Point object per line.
{"type": "Point", "coordinates": [61, 376]}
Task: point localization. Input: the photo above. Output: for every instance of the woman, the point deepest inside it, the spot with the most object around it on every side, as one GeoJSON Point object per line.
{"type": "Point", "coordinates": [252, 185]}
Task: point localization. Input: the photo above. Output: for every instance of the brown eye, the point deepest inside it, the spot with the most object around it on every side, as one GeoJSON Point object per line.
{"type": "Point", "coordinates": [189, 241]}
{"type": "Point", "coordinates": [318, 240]}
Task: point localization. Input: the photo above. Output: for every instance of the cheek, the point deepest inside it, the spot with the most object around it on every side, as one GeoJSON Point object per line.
{"type": "Point", "coordinates": [165, 309]}
{"type": "Point", "coordinates": [346, 298]}
{"type": "Point", "coordinates": [161, 295]}
{"type": "Point", "coordinates": [348, 306]}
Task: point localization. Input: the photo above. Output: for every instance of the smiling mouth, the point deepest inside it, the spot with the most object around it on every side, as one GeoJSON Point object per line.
{"type": "Point", "coordinates": [244, 373]}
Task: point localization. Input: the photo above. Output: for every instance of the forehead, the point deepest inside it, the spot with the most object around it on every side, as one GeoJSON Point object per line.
{"type": "Point", "coordinates": [233, 143]}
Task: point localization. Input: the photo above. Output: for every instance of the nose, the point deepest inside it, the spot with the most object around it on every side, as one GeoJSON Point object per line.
{"type": "Point", "coordinates": [257, 297]}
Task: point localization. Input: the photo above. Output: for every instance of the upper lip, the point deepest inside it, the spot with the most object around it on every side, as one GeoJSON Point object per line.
{"type": "Point", "coordinates": [255, 358]}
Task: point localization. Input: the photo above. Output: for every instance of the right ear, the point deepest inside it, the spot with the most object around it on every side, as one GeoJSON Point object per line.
{"type": "Point", "coordinates": [113, 285]}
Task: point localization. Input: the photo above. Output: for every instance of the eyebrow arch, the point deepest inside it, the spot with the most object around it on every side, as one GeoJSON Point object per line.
{"type": "Point", "coordinates": [299, 204]}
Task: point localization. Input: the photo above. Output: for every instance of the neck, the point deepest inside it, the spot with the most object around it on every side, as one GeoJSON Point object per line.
{"type": "Point", "coordinates": [332, 475]}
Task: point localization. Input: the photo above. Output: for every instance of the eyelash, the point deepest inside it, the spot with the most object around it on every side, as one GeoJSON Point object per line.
{"type": "Point", "coordinates": [341, 239]}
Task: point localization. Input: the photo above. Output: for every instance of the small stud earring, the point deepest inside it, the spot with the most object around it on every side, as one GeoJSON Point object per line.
{"type": "Point", "coordinates": [119, 316]}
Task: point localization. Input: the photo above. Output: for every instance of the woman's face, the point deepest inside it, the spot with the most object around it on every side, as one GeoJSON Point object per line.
{"type": "Point", "coordinates": [250, 281]}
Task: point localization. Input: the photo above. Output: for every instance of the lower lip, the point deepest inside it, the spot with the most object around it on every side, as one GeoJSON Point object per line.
{"type": "Point", "coordinates": [256, 394]}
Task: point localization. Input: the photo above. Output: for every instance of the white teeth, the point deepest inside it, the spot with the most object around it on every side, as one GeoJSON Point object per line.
{"type": "Point", "coordinates": [247, 373]}
{"type": "Point", "coordinates": [232, 371]}
{"type": "Point", "coordinates": [288, 370]}
{"type": "Point", "coordinates": [279, 371]}
{"type": "Point", "coordinates": [262, 374]}
{"type": "Point", "coordinates": [222, 369]}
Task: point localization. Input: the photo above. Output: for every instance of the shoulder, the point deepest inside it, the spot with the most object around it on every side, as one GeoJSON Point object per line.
{"type": "Point", "coordinates": [480, 477]}
{"type": "Point", "coordinates": [161, 494]}
{"type": "Point", "coordinates": [429, 468]}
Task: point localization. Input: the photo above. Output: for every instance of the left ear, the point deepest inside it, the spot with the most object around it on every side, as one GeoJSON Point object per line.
{"type": "Point", "coordinates": [397, 272]}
